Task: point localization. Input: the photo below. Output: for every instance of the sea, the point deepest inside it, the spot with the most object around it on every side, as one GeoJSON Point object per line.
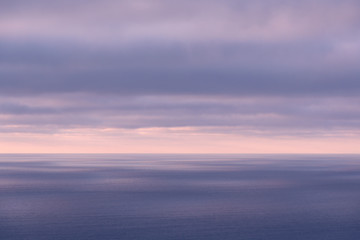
{"type": "Point", "coordinates": [179, 197]}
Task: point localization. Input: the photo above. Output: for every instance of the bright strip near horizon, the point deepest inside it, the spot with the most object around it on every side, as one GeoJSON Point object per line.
{"type": "Point", "coordinates": [152, 76]}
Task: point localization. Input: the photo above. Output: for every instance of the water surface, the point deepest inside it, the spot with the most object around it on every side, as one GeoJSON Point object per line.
{"type": "Point", "coordinates": [200, 197]}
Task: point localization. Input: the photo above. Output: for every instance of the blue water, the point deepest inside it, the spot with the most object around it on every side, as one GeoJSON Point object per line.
{"type": "Point", "coordinates": [200, 197]}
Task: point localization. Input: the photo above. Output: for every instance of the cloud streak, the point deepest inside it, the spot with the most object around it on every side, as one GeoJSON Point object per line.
{"type": "Point", "coordinates": [274, 116]}
{"type": "Point", "coordinates": [252, 68]}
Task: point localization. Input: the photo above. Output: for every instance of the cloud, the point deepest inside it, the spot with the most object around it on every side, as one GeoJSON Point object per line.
{"type": "Point", "coordinates": [271, 116]}
{"type": "Point", "coordinates": [171, 47]}
{"type": "Point", "coordinates": [257, 67]}
{"type": "Point", "coordinates": [139, 20]}
{"type": "Point", "coordinates": [236, 69]}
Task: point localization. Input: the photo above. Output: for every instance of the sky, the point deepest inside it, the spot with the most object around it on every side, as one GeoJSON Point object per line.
{"type": "Point", "coordinates": [190, 76]}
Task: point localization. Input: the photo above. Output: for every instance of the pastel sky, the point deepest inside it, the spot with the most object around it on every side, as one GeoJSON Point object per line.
{"type": "Point", "coordinates": [190, 76]}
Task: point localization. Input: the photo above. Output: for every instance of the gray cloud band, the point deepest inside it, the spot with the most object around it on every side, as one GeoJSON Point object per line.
{"type": "Point", "coordinates": [133, 56]}
{"type": "Point", "coordinates": [270, 115]}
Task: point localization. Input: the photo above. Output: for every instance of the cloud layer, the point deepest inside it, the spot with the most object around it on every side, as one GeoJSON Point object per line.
{"type": "Point", "coordinates": [260, 68]}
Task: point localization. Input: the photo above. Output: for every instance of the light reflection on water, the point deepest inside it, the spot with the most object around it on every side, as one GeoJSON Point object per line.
{"type": "Point", "coordinates": [179, 197]}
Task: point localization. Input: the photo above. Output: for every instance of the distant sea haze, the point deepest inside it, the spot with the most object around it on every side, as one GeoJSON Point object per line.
{"type": "Point", "coordinates": [197, 197]}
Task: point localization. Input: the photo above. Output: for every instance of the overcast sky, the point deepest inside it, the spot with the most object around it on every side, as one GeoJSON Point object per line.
{"type": "Point", "coordinates": [247, 76]}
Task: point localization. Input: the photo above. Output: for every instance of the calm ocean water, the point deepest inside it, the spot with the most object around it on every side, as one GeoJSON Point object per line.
{"type": "Point", "coordinates": [200, 197]}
